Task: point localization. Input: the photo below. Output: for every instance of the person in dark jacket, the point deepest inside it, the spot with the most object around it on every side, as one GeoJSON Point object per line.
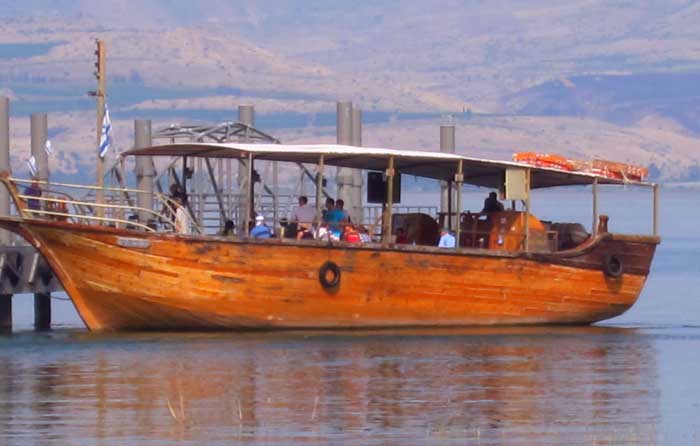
{"type": "Point", "coordinates": [491, 204]}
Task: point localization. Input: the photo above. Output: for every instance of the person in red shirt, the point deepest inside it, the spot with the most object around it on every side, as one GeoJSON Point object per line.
{"type": "Point", "coordinates": [401, 236]}
{"type": "Point", "coordinates": [350, 234]}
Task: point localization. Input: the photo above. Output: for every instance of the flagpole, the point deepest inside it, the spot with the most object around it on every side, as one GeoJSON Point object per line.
{"type": "Point", "coordinates": [100, 73]}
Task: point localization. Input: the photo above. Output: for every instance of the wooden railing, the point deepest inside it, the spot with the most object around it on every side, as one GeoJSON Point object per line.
{"type": "Point", "coordinates": [55, 202]}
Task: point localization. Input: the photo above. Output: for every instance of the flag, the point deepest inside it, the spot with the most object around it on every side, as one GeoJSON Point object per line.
{"type": "Point", "coordinates": [31, 162]}
{"type": "Point", "coordinates": [106, 136]}
{"type": "Point", "coordinates": [48, 148]}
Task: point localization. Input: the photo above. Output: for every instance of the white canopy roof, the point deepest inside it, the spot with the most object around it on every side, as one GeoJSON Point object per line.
{"type": "Point", "coordinates": [436, 165]}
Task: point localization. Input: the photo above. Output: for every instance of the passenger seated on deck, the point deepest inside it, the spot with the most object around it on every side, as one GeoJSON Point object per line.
{"type": "Point", "coordinates": [34, 190]}
{"type": "Point", "coordinates": [350, 234]}
{"type": "Point", "coordinates": [177, 190]}
{"type": "Point", "coordinates": [364, 235]}
{"type": "Point", "coordinates": [447, 240]}
{"type": "Point", "coordinates": [228, 230]}
{"type": "Point", "coordinates": [322, 232]}
{"type": "Point", "coordinates": [326, 234]}
{"type": "Point", "coordinates": [304, 216]}
{"type": "Point", "coordinates": [183, 224]}
{"type": "Point", "coordinates": [336, 217]}
{"type": "Point", "coordinates": [330, 205]}
{"type": "Point", "coordinates": [491, 204]}
{"type": "Point", "coordinates": [261, 230]}
{"type": "Point", "coordinates": [401, 237]}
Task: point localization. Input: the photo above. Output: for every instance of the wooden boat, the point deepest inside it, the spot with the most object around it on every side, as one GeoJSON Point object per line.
{"type": "Point", "coordinates": [140, 279]}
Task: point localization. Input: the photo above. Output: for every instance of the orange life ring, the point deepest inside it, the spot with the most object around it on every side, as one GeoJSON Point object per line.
{"type": "Point", "coordinates": [609, 169]}
{"type": "Point", "coordinates": [548, 160]}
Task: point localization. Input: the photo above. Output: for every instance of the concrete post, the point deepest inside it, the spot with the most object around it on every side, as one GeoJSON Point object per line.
{"type": "Point", "coordinates": [655, 190]}
{"type": "Point", "coordinates": [447, 145]}
{"type": "Point", "coordinates": [5, 313]}
{"type": "Point", "coordinates": [357, 173]}
{"type": "Point", "coordinates": [343, 176]}
{"type": "Point", "coordinates": [5, 299]}
{"type": "Point", "coordinates": [144, 168]}
{"type": "Point", "coordinates": [246, 115]}
{"type": "Point", "coordinates": [5, 236]}
{"type": "Point", "coordinates": [594, 189]}
{"type": "Point", "coordinates": [39, 134]}
{"type": "Point", "coordinates": [42, 311]}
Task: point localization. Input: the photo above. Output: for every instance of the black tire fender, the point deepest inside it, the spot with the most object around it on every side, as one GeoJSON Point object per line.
{"type": "Point", "coordinates": [323, 273]}
{"type": "Point", "coordinates": [613, 265]}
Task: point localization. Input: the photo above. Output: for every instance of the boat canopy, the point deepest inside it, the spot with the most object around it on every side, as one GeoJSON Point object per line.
{"type": "Point", "coordinates": [435, 165]}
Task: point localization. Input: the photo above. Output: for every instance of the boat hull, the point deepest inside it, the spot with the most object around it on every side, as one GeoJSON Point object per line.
{"type": "Point", "coordinates": [130, 280]}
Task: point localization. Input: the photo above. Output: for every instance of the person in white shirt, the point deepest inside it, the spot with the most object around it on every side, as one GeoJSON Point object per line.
{"type": "Point", "coordinates": [183, 224]}
{"type": "Point", "coordinates": [303, 216]}
{"type": "Point", "coordinates": [447, 240]}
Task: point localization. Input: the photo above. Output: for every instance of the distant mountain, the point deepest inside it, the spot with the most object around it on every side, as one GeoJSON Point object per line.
{"type": "Point", "coordinates": [627, 63]}
{"type": "Point", "coordinates": [620, 99]}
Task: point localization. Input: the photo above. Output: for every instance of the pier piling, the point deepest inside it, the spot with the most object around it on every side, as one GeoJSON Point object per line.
{"type": "Point", "coordinates": [5, 299]}
{"type": "Point", "coordinates": [344, 175]}
{"type": "Point", "coordinates": [144, 168]}
{"type": "Point", "coordinates": [39, 135]}
{"type": "Point", "coordinates": [447, 145]}
{"type": "Point", "coordinates": [357, 215]}
{"type": "Point", "coordinates": [42, 311]}
{"type": "Point", "coordinates": [5, 236]}
{"type": "Point", "coordinates": [246, 115]}
{"type": "Point", "coordinates": [5, 313]}
{"type": "Point", "coordinates": [19, 261]}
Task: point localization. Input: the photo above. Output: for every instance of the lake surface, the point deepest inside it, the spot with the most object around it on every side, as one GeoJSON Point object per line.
{"type": "Point", "coordinates": [630, 380]}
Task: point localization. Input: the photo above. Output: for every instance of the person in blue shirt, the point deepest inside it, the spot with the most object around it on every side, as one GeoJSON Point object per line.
{"type": "Point", "coordinates": [447, 240]}
{"type": "Point", "coordinates": [336, 217]}
{"type": "Point", "coordinates": [330, 205]}
{"type": "Point", "coordinates": [261, 230]}
{"type": "Point", "coordinates": [34, 190]}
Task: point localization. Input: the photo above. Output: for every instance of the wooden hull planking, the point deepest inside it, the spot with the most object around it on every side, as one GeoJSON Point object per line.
{"type": "Point", "coordinates": [212, 283]}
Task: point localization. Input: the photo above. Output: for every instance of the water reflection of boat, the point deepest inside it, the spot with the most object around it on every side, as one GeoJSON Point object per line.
{"type": "Point", "coordinates": [525, 385]}
{"type": "Point", "coordinates": [507, 267]}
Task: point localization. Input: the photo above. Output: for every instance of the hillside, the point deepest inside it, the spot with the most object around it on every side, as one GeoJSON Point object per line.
{"type": "Point", "coordinates": [597, 78]}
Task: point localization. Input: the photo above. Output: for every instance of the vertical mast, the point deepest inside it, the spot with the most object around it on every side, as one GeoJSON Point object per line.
{"type": "Point", "coordinates": [100, 74]}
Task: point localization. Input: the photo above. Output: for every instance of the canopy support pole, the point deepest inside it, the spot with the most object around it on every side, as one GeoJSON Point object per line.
{"type": "Point", "coordinates": [217, 191]}
{"type": "Point", "coordinates": [319, 187]}
{"type": "Point", "coordinates": [185, 199]}
{"type": "Point", "coordinates": [249, 195]}
{"type": "Point", "coordinates": [655, 189]}
{"type": "Point", "coordinates": [459, 178]}
{"type": "Point", "coordinates": [275, 194]}
{"type": "Point", "coordinates": [184, 175]}
{"type": "Point", "coordinates": [527, 212]}
{"type": "Point", "coordinates": [450, 191]}
{"type": "Point", "coordinates": [594, 226]}
{"type": "Point", "coordinates": [386, 233]}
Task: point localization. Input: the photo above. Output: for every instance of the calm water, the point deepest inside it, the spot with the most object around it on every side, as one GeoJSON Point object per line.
{"type": "Point", "coordinates": [631, 380]}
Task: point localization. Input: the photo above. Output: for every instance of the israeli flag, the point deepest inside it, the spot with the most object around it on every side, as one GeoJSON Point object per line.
{"type": "Point", "coordinates": [31, 162]}
{"type": "Point", "coordinates": [48, 148]}
{"type": "Point", "coordinates": [106, 136]}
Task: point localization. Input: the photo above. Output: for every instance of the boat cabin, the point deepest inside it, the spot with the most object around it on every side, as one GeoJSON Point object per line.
{"type": "Point", "coordinates": [508, 226]}
{"type": "Point", "coordinates": [512, 228]}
